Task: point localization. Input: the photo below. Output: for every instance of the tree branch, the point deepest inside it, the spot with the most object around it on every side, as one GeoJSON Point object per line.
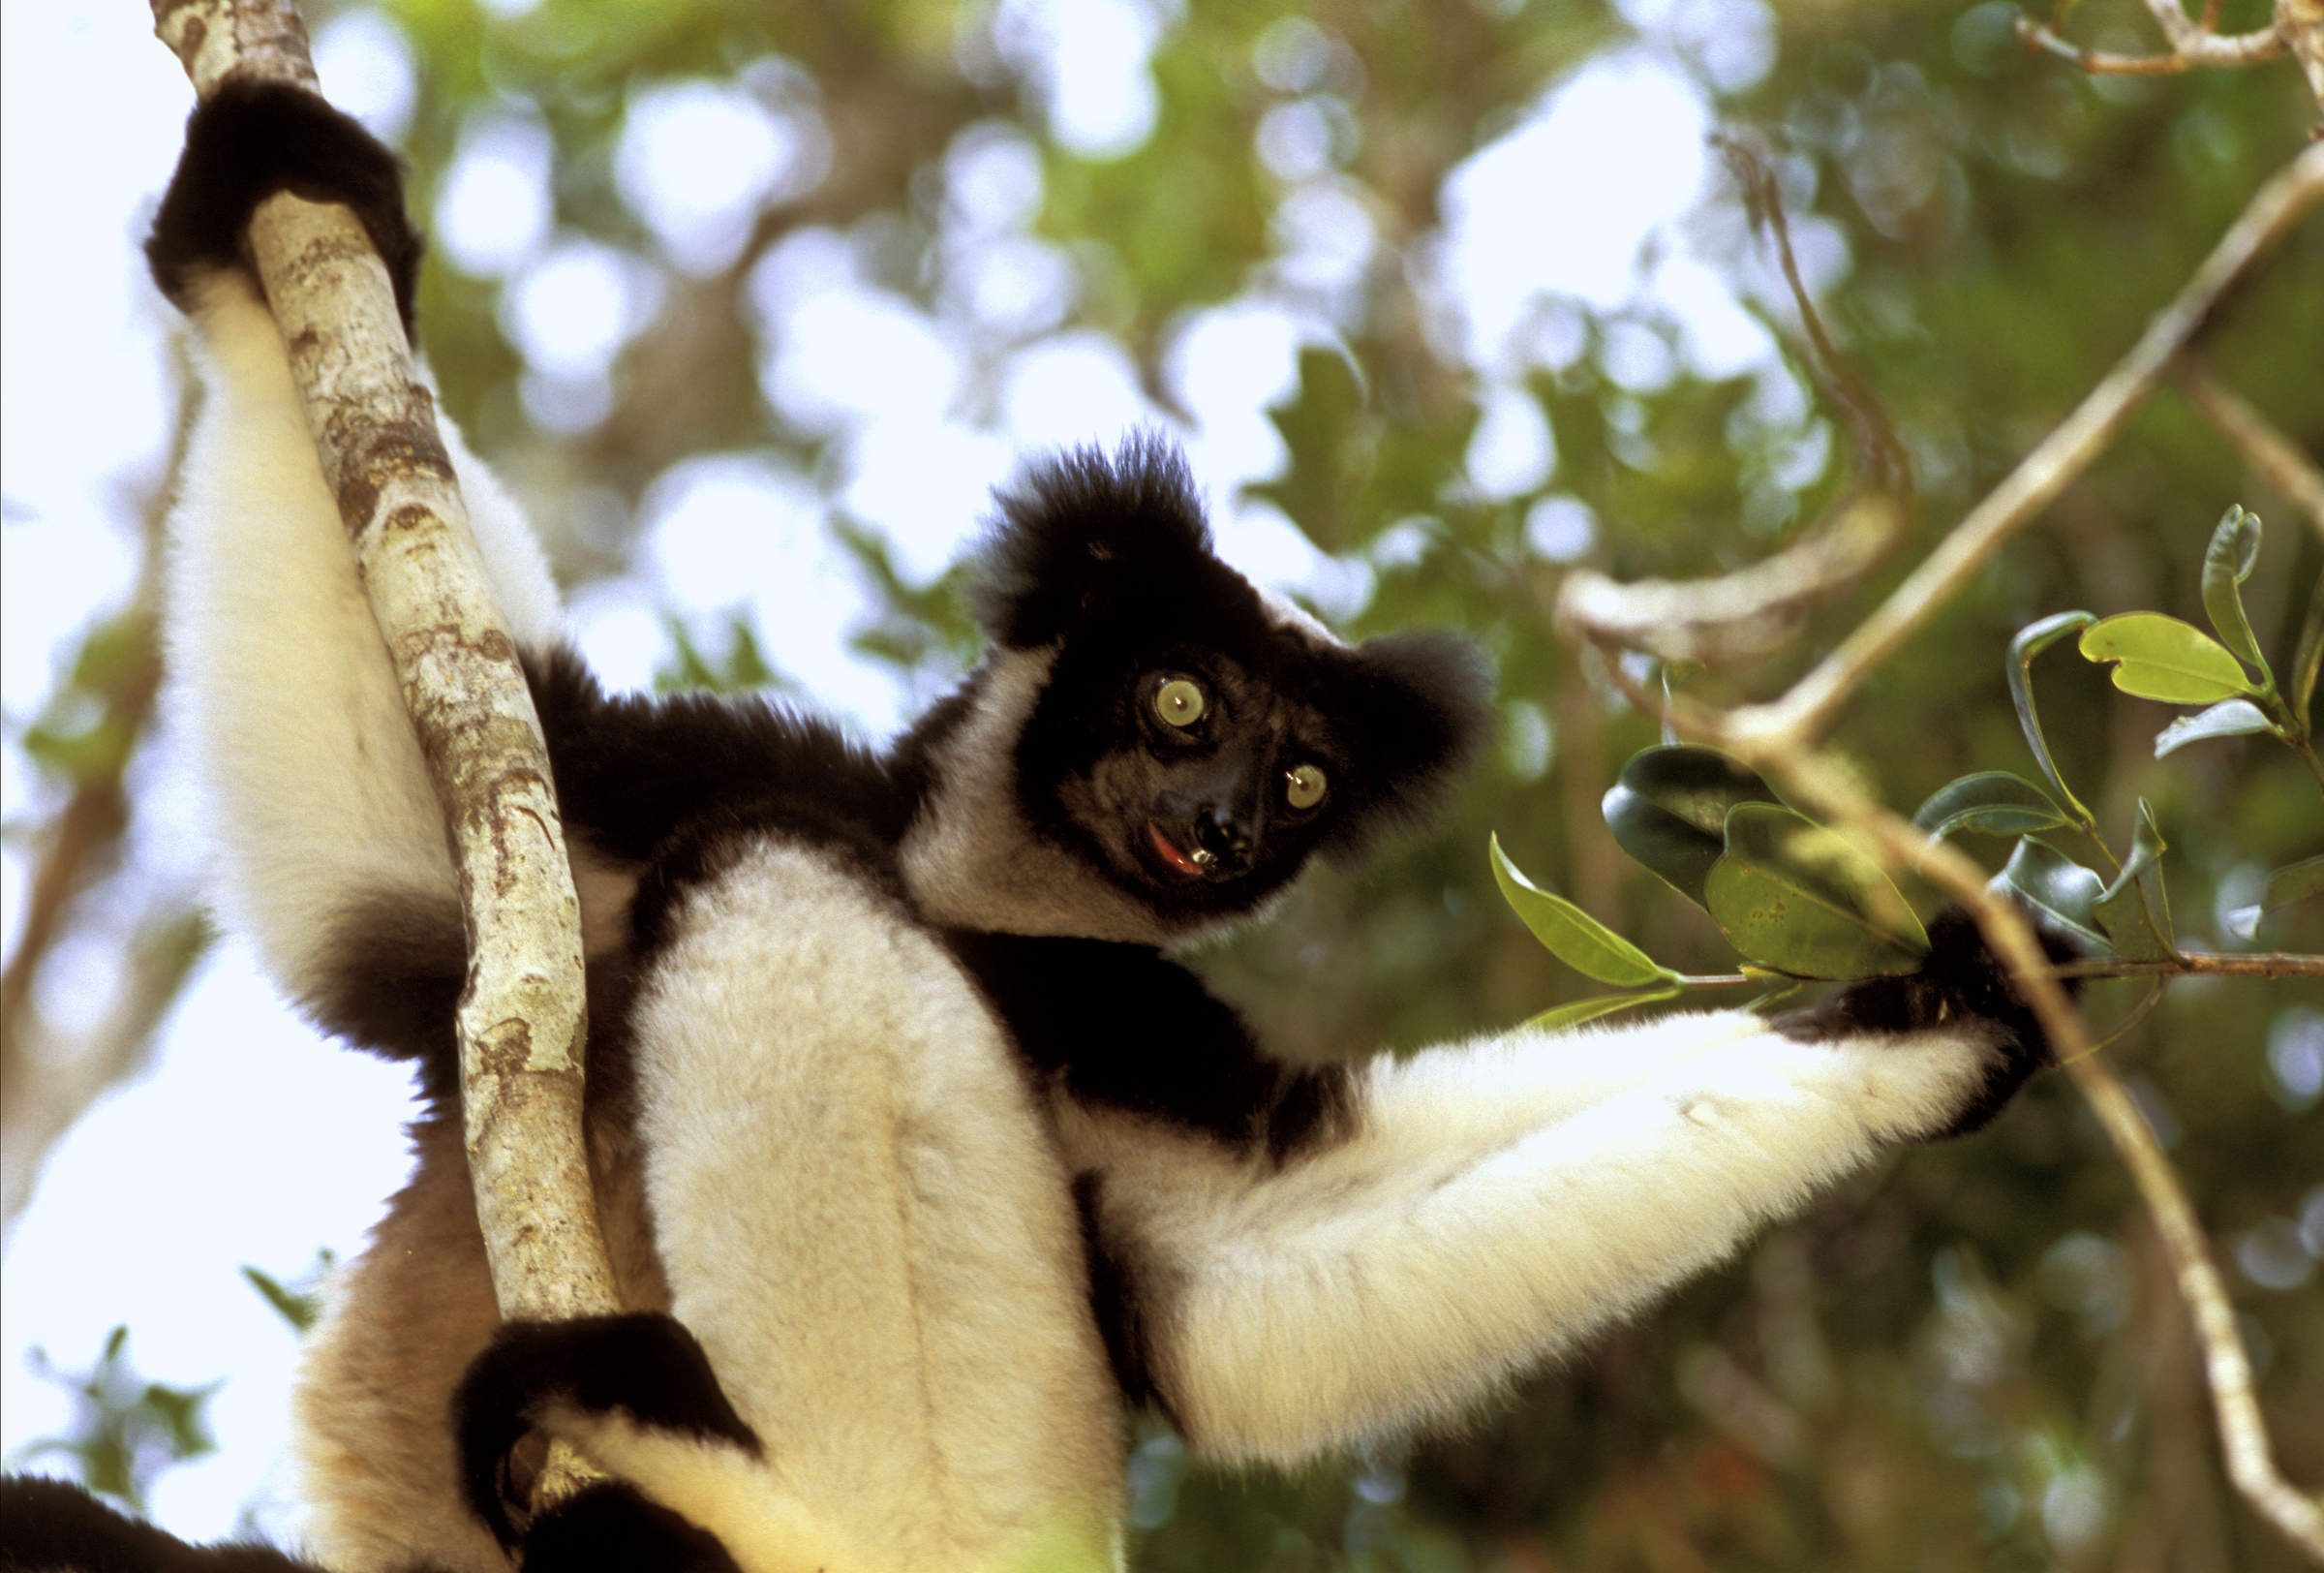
{"type": "Point", "coordinates": [1803, 713]}
{"type": "Point", "coordinates": [2297, 28]}
{"type": "Point", "coordinates": [2274, 456]}
{"type": "Point", "coordinates": [520, 1018]}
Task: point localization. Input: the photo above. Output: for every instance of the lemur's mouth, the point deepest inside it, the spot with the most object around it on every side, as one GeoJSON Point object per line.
{"type": "Point", "coordinates": [1177, 862]}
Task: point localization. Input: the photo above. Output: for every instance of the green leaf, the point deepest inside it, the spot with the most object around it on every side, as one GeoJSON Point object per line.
{"type": "Point", "coordinates": [2159, 657]}
{"type": "Point", "coordinates": [1669, 811]}
{"type": "Point", "coordinates": [1573, 936]}
{"type": "Point", "coordinates": [1991, 802]}
{"type": "Point", "coordinates": [2226, 564]}
{"type": "Point", "coordinates": [1595, 1006]}
{"type": "Point", "coordinates": [2286, 886]}
{"type": "Point", "coordinates": [2030, 642]}
{"type": "Point", "coordinates": [2134, 909]}
{"type": "Point", "coordinates": [2293, 882]}
{"type": "Point", "coordinates": [2306, 657]}
{"type": "Point", "coordinates": [1792, 895]}
{"type": "Point", "coordinates": [2062, 890]}
{"type": "Point", "coordinates": [2229, 718]}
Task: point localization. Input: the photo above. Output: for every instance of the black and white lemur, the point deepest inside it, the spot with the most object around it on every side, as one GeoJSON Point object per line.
{"type": "Point", "coordinates": [919, 1157]}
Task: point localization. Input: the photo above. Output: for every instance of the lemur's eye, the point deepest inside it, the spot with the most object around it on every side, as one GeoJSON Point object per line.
{"type": "Point", "coordinates": [1303, 786]}
{"type": "Point", "coordinates": [1180, 702]}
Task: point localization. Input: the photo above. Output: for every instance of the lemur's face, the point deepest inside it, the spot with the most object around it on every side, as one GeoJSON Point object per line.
{"type": "Point", "coordinates": [1209, 788]}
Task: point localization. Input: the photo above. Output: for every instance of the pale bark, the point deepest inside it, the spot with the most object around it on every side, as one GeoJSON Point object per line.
{"type": "Point", "coordinates": [521, 1017]}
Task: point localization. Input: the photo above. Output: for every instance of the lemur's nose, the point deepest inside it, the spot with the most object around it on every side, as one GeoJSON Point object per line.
{"type": "Point", "coordinates": [1225, 835]}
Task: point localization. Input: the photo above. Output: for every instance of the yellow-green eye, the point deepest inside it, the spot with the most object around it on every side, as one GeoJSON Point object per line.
{"type": "Point", "coordinates": [1303, 786]}
{"type": "Point", "coordinates": [1179, 702]}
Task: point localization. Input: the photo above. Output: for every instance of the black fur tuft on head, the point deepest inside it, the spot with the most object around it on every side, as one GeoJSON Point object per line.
{"type": "Point", "coordinates": [251, 140]}
{"type": "Point", "coordinates": [1080, 531]}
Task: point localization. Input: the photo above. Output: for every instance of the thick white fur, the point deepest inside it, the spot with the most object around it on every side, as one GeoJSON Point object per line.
{"type": "Point", "coordinates": [864, 1220]}
{"type": "Point", "coordinates": [861, 1210]}
{"type": "Point", "coordinates": [1501, 1201]}
{"type": "Point", "coordinates": [299, 739]}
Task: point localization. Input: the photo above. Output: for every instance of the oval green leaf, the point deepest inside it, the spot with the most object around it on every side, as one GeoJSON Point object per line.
{"type": "Point", "coordinates": [2293, 882]}
{"type": "Point", "coordinates": [2226, 564]}
{"type": "Point", "coordinates": [1573, 936]}
{"type": "Point", "coordinates": [1668, 810]}
{"type": "Point", "coordinates": [1991, 802]}
{"type": "Point", "coordinates": [2062, 890]}
{"type": "Point", "coordinates": [1595, 1006]}
{"type": "Point", "coordinates": [2158, 656]}
{"type": "Point", "coordinates": [2134, 909]}
{"type": "Point", "coordinates": [2229, 718]}
{"type": "Point", "coordinates": [1792, 895]}
{"type": "Point", "coordinates": [2030, 642]}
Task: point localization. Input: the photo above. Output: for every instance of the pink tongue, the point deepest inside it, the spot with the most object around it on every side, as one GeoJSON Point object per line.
{"type": "Point", "coordinates": [1169, 853]}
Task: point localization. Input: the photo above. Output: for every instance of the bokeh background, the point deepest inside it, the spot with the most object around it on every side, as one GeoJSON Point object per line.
{"type": "Point", "coordinates": [754, 303]}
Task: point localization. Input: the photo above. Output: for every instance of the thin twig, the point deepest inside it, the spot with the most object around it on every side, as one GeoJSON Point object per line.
{"type": "Point", "coordinates": [2275, 457]}
{"type": "Point", "coordinates": [1803, 715]}
{"type": "Point", "coordinates": [2243, 1428]}
{"type": "Point", "coordinates": [2259, 964]}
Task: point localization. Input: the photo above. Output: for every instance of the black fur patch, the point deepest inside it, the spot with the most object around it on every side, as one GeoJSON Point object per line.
{"type": "Point", "coordinates": [613, 1528]}
{"type": "Point", "coordinates": [635, 769]}
{"type": "Point", "coordinates": [1120, 1025]}
{"type": "Point", "coordinates": [644, 1363]}
{"type": "Point", "coordinates": [1113, 1301]}
{"type": "Point", "coordinates": [253, 139]}
{"type": "Point", "coordinates": [1958, 979]}
{"type": "Point", "coordinates": [50, 1526]}
{"type": "Point", "coordinates": [1081, 532]}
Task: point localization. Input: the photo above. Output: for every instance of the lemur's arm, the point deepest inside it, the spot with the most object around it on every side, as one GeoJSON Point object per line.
{"type": "Point", "coordinates": [296, 727]}
{"type": "Point", "coordinates": [1399, 1275]}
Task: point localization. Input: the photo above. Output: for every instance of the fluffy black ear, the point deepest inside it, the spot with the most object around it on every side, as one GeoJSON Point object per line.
{"type": "Point", "coordinates": [1418, 707]}
{"type": "Point", "coordinates": [1080, 531]}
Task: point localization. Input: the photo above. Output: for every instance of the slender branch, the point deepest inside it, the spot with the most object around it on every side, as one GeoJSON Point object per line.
{"type": "Point", "coordinates": [520, 1019]}
{"type": "Point", "coordinates": [2243, 1428]}
{"type": "Point", "coordinates": [2259, 964]}
{"type": "Point", "coordinates": [2099, 62]}
{"type": "Point", "coordinates": [1805, 712]}
{"type": "Point", "coordinates": [1758, 609]}
{"type": "Point", "coordinates": [2275, 457]}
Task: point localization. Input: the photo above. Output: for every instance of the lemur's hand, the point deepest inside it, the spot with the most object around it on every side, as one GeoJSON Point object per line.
{"type": "Point", "coordinates": [644, 1370]}
{"type": "Point", "coordinates": [1959, 980]}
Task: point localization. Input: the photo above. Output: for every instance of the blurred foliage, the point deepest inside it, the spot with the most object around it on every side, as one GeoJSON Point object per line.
{"type": "Point", "coordinates": [1970, 1360]}
{"type": "Point", "coordinates": [125, 1430]}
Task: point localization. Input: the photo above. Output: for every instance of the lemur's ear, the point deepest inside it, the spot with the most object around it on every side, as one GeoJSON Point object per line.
{"type": "Point", "coordinates": [1080, 531]}
{"type": "Point", "coordinates": [1416, 708]}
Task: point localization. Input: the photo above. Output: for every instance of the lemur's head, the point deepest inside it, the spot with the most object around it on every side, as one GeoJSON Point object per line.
{"type": "Point", "coordinates": [1177, 744]}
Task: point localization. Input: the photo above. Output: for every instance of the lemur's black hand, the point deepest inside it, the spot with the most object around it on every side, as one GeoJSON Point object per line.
{"type": "Point", "coordinates": [644, 1365]}
{"type": "Point", "coordinates": [247, 142]}
{"type": "Point", "coordinates": [1959, 979]}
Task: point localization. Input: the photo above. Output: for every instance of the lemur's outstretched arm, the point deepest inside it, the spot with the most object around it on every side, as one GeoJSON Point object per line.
{"type": "Point", "coordinates": [1460, 1235]}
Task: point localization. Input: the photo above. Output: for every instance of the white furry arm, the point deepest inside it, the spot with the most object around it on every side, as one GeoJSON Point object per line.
{"type": "Point", "coordinates": [290, 707]}
{"type": "Point", "coordinates": [1400, 1275]}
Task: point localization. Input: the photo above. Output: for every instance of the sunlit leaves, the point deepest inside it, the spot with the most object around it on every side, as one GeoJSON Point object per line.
{"type": "Point", "coordinates": [2159, 657]}
{"type": "Point", "coordinates": [1796, 896]}
{"type": "Point", "coordinates": [2226, 564]}
{"type": "Point", "coordinates": [2030, 642]}
{"type": "Point", "coordinates": [1991, 802]}
{"type": "Point", "coordinates": [2133, 909]}
{"type": "Point", "coordinates": [1573, 936]}
{"type": "Point", "coordinates": [1560, 1017]}
{"type": "Point", "coordinates": [2229, 718]}
{"type": "Point", "coordinates": [2060, 890]}
{"type": "Point", "coordinates": [1668, 810]}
